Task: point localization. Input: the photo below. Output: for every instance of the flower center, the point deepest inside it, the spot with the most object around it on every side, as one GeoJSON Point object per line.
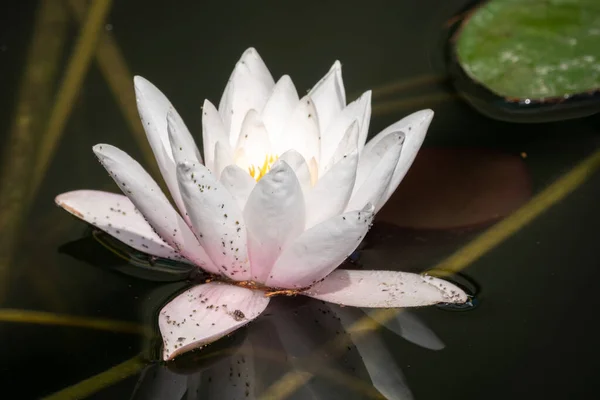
{"type": "Point", "coordinates": [259, 171]}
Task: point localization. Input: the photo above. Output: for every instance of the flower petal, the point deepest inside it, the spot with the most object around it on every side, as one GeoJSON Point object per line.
{"type": "Point", "coordinates": [415, 128]}
{"type": "Point", "coordinates": [213, 131]}
{"type": "Point", "coordinates": [329, 95]}
{"type": "Point", "coordinates": [116, 215]}
{"type": "Point", "coordinates": [274, 216]}
{"type": "Point", "coordinates": [223, 157]}
{"type": "Point", "coordinates": [300, 168]}
{"type": "Point", "coordinates": [254, 140]}
{"type": "Point", "coordinates": [377, 182]}
{"type": "Point", "coordinates": [183, 146]}
{"type": "Point", "coordinates": [331, 193]}
{"type": "Point", "coordinates": [347, 145]}
{"type": "Point", "coordinates": [302, 131]}
{"type": "Point", "coordinates": [384, 289]}
{"type": "Point", "coordinates": [216, 218]}
{"type": "Point", "coordinates": [147, 197]}
{"type": "Point", "coordinates": [359, 110]}
{"type": "Point", "coordinates": [205, 313]}
{"type": "Point", "coordinates": [153, 107]}
{"type": "Point", "coordinates": [239, 183]}
{"type": "Point", "coordinates": [319, 250]}
{"type": "Point", "coordinates": [279, 108]}
{"type": "Point", "coordinates": [248, 88]}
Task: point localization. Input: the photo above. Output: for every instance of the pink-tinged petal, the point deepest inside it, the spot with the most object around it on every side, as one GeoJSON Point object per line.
{"type": "Point", "coordinates": [279, 108]}
{"type": "Point", "coordinates": [302, 131]}
{"type": "Point", "coordinates": [213, 131]}
{"type": "Point", "coordinates": [414, 128]}
{"type": "Point", "coordinates": [147, 197]}
{"type": "Point", "coordinates": [153, 107]}
{"type": "Point", "coordinates": [300, 168]}
{"type": "Point", "coordinates": [248, 88]}
{"type": "Point", "coordinates": [385, 289]}
{"type": "Point", "coordinates": [216, 218]}
{"type": "Point", "coordinates": [347, 145]}
{"type": "Point", "coordinates": [239, 183]}
{"type": "Point", "coordinates": [253, 140]}
{"type": "Point", "coordinates": [274, 216]}
{"type": "Point", "coordinates": [359, 110]}
{"type": "Point", "coordinates": [376, 183]}
{"type": "Point", "coordinates": [329, 96]}
{"type": "Point", "coordinates": [205, 313]}
{"type": "Point", "coordinates": [319, 250]}
{"type": "Point", "coordinates": [408, 326]}
{"type": "Point", "coordinates": [116, 215]}
{"type": "Point", "coordinates": [331, 193]}
{"type": "Point", "coordinates": [223, 157]}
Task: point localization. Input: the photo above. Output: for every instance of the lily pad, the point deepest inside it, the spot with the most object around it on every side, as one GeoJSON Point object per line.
{"type": "Point", "coordinates": [533, 52]}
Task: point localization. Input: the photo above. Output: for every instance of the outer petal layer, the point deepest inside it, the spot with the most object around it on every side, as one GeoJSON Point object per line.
{"type": "Point", "coordinates": [205, 313]}
{"type": "Point", "coordinates": [116, 215]}
{"type": "Point", "coordinates": [385, 289]}
{"type": "Point", "coordinates": [147, 197]}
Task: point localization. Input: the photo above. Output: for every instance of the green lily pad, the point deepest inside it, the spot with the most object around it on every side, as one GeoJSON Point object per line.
{"type": "Point", "coordinates": [532, 49]}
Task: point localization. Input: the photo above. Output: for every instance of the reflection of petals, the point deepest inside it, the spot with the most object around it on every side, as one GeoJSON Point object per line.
{"type": "Point", "coordinates": [383, 369]}
{"type": "Point", "coordinates": [205, 313]}
{"type": "Point", "coordinates": [410, 327]}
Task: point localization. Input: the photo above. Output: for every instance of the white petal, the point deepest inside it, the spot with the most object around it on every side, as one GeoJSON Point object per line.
{"type": "Point", "coordinates": [213, 131]}
{"type": "Point", "coordinates": [216, 218]}
{"type": "Point", "coordinates": [415, 128]}
{"type": "Point", "coordinates": [347, 145]}
{"type": "Point", "coordinates": [302, 131]}
{"type": "Point", "coordinates": [223, 157]}
{"type": "Point", "coordinates": [248, 88]}
{"type": "Point", "coordinates": [239, 183]}
{"type": "Point", "coordinates": [274, 216]}
{"type": "Point", "coordinates": [279, 108]}
{"type": "Point", "coordinates": [300, 168]}
{"type": "Point", "coordinates": [329, 95]}
{"type": "Point", "coordinates": [153, 107]}
{"type": "Point", "coordinates": [408, 326]}
{"type": "Point", "coordinates": [254, 140]}
{"type": "Point", "coordinates": [147, 197]}
{"type": "Point", "coordinates": [330, 195]}
{"type": "Point", "coordinates": [183, 146]}
{"type": "Point", "coordinates": [206, 313]}
{"type": "Point", "coordinates": [385, 289]}
{"type": "Point", "coordinates": [376, 183]}
{"type": "Point", "coordinates": [319, 250]}
{"type": "Point", "coordinates": [116, 215]}
{"type": "Point", "coordinates": [359, 110]}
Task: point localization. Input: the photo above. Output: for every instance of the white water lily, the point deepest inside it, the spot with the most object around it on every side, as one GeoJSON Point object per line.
{"type": "Point", "coordinates": [287, 189]}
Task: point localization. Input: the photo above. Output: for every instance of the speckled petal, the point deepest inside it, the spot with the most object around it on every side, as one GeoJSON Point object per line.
{"type": "Point", "coordinates": [331, 193]}
{"type": "Point", "coordinates": [329, 96]}
{"type": "Point", "coordinates": [347, 145]}
{"type": "Point", "coordinates": [359, 110]}
{"type": "Point", "coordinates": [116, 215]}
{"type": "Point", "coordinates": [319, 250]}
{"type": "Point", "coordinates": [274, 216]}
{"type": "Point", "coordinates": [213, 131]}
{"type": "Point", "coordinates": [153, 107]}
{"type": "Point", "coordinates": [375, 184]}
{"type": "Point", "coordinates": [279, 108]}
{"type": "Point", "coordinates": [147, 197]}
{"type": "Point", "coordinates": [248, 88]}
{"type": "Point", "coordinates": [302, 131]}
{"type": "Point", "coordinates": [205, 313]}
{"type": "Point", "coordinates": [385, 289]}
{"type": "Point", "coordinates": [239, 183]}
{"type": "Point", "coordinates": [216, 218]}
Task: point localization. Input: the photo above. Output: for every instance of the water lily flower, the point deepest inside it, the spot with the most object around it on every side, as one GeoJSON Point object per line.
{"type": "Point", "coordinates": [287, 189]}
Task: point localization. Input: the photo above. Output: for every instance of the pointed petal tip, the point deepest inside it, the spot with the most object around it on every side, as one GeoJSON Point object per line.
{"type": "Point", "coordinates": [450, 293]}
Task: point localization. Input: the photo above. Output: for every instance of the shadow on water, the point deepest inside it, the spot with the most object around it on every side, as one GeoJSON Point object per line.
{"type": "Point", "coordinates": [528, 336]}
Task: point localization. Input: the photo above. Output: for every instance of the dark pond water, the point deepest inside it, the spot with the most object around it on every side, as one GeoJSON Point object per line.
{"type": "Point", "coordinates": [531, 335]}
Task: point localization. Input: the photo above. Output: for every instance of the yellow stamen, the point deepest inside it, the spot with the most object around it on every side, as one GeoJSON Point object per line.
{"type": "Point", "coordinates": [261, 171]}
